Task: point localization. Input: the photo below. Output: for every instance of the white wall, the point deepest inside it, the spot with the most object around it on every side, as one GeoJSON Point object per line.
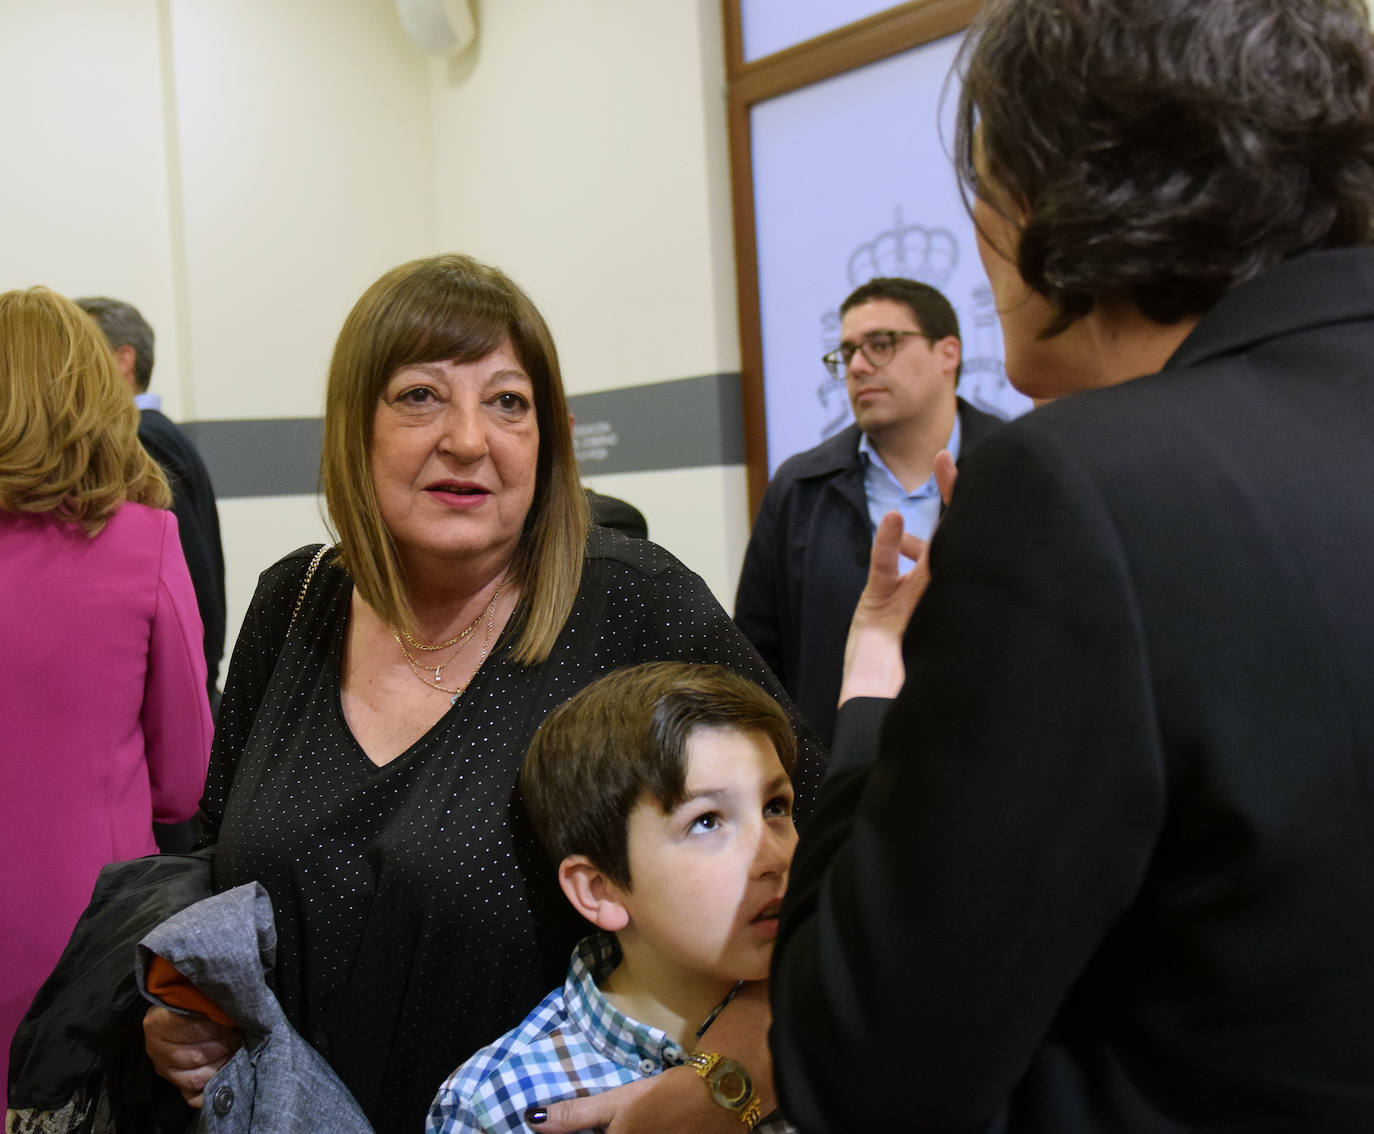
{"type": "Point", "coordinates": [305, 165]}
{"type": "Point", "coordinates": [583, 150]}
{"type": "Point", "coordinates": [242, 169]}
{"type": "Point", "coordinates": [238, 169]}
{"type": "Point", "coordinates": [83, 199]}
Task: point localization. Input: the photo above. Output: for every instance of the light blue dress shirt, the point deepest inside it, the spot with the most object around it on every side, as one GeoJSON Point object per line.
{"type": "Point", "coordinates": [919, 509]}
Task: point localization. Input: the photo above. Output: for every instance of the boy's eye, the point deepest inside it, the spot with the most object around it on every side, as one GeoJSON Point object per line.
{"type": "Point", "coordinates": [708, 822]}
{"type": "Point", "coordinates": [778, 807]}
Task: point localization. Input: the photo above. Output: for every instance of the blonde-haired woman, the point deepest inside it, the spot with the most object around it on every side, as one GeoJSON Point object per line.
{"type": "Point", "coordinates": [104, 723]}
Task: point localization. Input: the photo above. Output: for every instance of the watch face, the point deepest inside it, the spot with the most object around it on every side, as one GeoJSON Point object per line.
{"type": "Point", "coordinates": [731, 1084]}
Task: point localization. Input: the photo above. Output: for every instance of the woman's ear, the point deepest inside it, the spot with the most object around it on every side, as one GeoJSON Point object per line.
{"type": "Point", "coordinates": [592, 894]}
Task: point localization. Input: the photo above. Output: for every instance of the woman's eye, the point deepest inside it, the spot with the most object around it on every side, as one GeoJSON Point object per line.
{"type": "Point", "coordinates": [415, 396]}
{"type": "Point", "coordinates": [511, 402]}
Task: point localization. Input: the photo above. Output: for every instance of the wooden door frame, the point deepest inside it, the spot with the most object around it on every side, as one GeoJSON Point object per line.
{"type": "Point", "coordinates": [880, 36]}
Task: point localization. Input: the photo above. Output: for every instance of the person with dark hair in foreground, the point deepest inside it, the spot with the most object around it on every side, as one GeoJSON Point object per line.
{"type": "Point", "coordinates": [1108, 865]}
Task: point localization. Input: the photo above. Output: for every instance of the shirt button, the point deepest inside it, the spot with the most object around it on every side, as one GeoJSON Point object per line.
{"type": "Point", "coordinates": [647, 1067]}
{"type": "Point", "coordinates": [672, 1055]}
{"type": "Point", "coordinates": [224, 1101]}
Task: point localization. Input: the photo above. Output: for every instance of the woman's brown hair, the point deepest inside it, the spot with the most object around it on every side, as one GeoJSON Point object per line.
{"type": "Point", "coordinates": [451, 308]}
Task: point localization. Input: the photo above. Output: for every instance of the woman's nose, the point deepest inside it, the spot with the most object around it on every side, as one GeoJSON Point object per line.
{"type": "Point", "coordinates": [464, 433]}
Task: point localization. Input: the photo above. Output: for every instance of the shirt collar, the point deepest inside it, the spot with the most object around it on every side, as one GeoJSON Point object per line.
{"type": "Point", "coordinates": [148, 400]}
{"type": "Point", "coordinates": [619, 1038]}
{"type": "Point", "coordinates": [870, 455]}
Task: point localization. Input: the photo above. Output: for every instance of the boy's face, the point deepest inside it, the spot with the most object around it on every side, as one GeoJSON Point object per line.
{"type": "Point", "coordinates": [707, 878]}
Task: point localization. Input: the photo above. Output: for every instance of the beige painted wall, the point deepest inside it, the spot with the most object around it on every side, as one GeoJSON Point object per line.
{"type": "Point", "coordinates": [83, 199]}
{"type": "Point", "coordinates": [242, 169]}
{"type": "Point", "coordinates": [582, 148]}
{"type": "Point", "coordinates": [305, 164]}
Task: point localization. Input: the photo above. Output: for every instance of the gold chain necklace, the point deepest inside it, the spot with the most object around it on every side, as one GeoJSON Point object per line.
{"type": "Point", "coordinates": [454, 694]}
{"type": "Point", "coordinates": [461, 636]}
{"type": "Point", "coordinates": [439, 667]}
{"type": "Point", "coordinates": [460, 640]}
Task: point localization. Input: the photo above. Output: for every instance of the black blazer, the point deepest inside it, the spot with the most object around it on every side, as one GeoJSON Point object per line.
{"type": "Point", "coordinates": [1113, 867]}
{"type": "Point", "coordinates": [807, 561]}
{"type": "Point", "coordinates": [613, 512]}
{"type": "Point", "coordinates": [193, 502]}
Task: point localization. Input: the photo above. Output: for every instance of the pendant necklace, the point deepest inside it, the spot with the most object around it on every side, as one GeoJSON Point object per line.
{"type": "Point", "coordinates": [421, 672]}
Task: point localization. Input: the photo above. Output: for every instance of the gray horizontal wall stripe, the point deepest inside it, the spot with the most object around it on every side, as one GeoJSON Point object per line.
{"type": "Point", "coordinates": [684, 423]}
{"type": "Point", "coordinates": [271, 456]}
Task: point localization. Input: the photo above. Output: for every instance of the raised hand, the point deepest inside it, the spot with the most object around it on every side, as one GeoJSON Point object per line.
{"type": "Point", "coordinates": [873, 651]}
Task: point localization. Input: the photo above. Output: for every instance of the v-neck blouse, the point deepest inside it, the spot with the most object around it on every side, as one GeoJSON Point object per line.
{"type": "Point", "coordinates": [417, 917]}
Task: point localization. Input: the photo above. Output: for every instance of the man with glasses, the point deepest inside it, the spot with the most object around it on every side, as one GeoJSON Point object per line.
{"type": "Point", "coordinates": [899, 358]}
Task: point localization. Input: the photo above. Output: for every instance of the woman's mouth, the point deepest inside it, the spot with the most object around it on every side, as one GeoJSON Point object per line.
{"type": "Point", "coordinates": [458, 494]}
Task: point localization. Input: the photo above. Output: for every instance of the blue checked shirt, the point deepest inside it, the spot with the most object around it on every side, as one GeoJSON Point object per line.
{"type": "Point", "coordinates": [574, 1043]}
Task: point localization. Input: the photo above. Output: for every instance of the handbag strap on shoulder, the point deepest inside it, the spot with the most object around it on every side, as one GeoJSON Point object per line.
{"type": "Point", "coordinates": [305, 584]}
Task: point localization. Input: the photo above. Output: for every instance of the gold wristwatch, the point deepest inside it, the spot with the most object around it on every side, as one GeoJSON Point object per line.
{"type": "Point", "coordinates": [730, 1085]}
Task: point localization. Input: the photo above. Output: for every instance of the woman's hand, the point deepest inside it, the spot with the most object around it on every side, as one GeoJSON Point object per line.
{"type": "Point", "coordinates": [674, 1102]}
{"type": "Point", "coordinates": [188, 1050]}
{"type": "Point", "coordinates": [873, 664]}
{"type": "Point", "coordinates": [678, 1101]}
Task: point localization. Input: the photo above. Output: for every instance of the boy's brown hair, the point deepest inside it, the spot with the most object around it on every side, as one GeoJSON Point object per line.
{"type": "Point", "coordinates": [624, 737]}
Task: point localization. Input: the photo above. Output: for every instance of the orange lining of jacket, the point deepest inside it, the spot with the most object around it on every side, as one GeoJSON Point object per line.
{"type": "Point", "coordinates": [169, 986]}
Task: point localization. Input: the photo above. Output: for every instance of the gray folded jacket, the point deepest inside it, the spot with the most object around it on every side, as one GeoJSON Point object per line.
{"type": "Point", "coordinates": [276, 1083]}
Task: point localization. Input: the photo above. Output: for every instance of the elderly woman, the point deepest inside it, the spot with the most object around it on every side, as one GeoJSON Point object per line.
{"type": "Point", "coordinates": [1112, 869]}
{"type": "Point", "coordinates": [379, 705]}
{"type": "Point", "coordinates": [104, 722]}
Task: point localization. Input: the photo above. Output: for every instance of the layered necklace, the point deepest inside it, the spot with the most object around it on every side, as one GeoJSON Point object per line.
{"type": "Point", "coordinates": [459, 640]}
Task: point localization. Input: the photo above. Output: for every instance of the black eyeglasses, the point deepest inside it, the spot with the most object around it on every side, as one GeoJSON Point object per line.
{"type": "Point", "coordinates": [878, 348]}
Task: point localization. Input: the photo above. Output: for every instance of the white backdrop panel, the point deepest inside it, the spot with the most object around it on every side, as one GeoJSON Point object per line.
{"type": "Point", "coordinates": [767, 26]}
{"type": "Point", "coordinates": [851, 181]}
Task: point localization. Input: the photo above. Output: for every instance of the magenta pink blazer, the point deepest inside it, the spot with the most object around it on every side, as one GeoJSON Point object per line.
{"type": "Point", "coordinates": [104, 723]}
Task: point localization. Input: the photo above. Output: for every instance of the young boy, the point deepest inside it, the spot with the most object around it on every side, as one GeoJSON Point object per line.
{"type": "Point", "coordinates": [662, 792]}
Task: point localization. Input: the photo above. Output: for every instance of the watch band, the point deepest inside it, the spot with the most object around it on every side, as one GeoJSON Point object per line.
{"type": "Point", "coordinates": [730, 1085]}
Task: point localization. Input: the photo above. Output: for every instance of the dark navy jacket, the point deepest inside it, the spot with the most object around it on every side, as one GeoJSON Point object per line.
{"type": "Point", "coordinates": [807, 562]}
{"type": "Point", "coordinates": [193, 502]}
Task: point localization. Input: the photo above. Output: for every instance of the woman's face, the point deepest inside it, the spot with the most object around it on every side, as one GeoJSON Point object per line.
{"type": "Point", "coordinates": [455, 449]}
